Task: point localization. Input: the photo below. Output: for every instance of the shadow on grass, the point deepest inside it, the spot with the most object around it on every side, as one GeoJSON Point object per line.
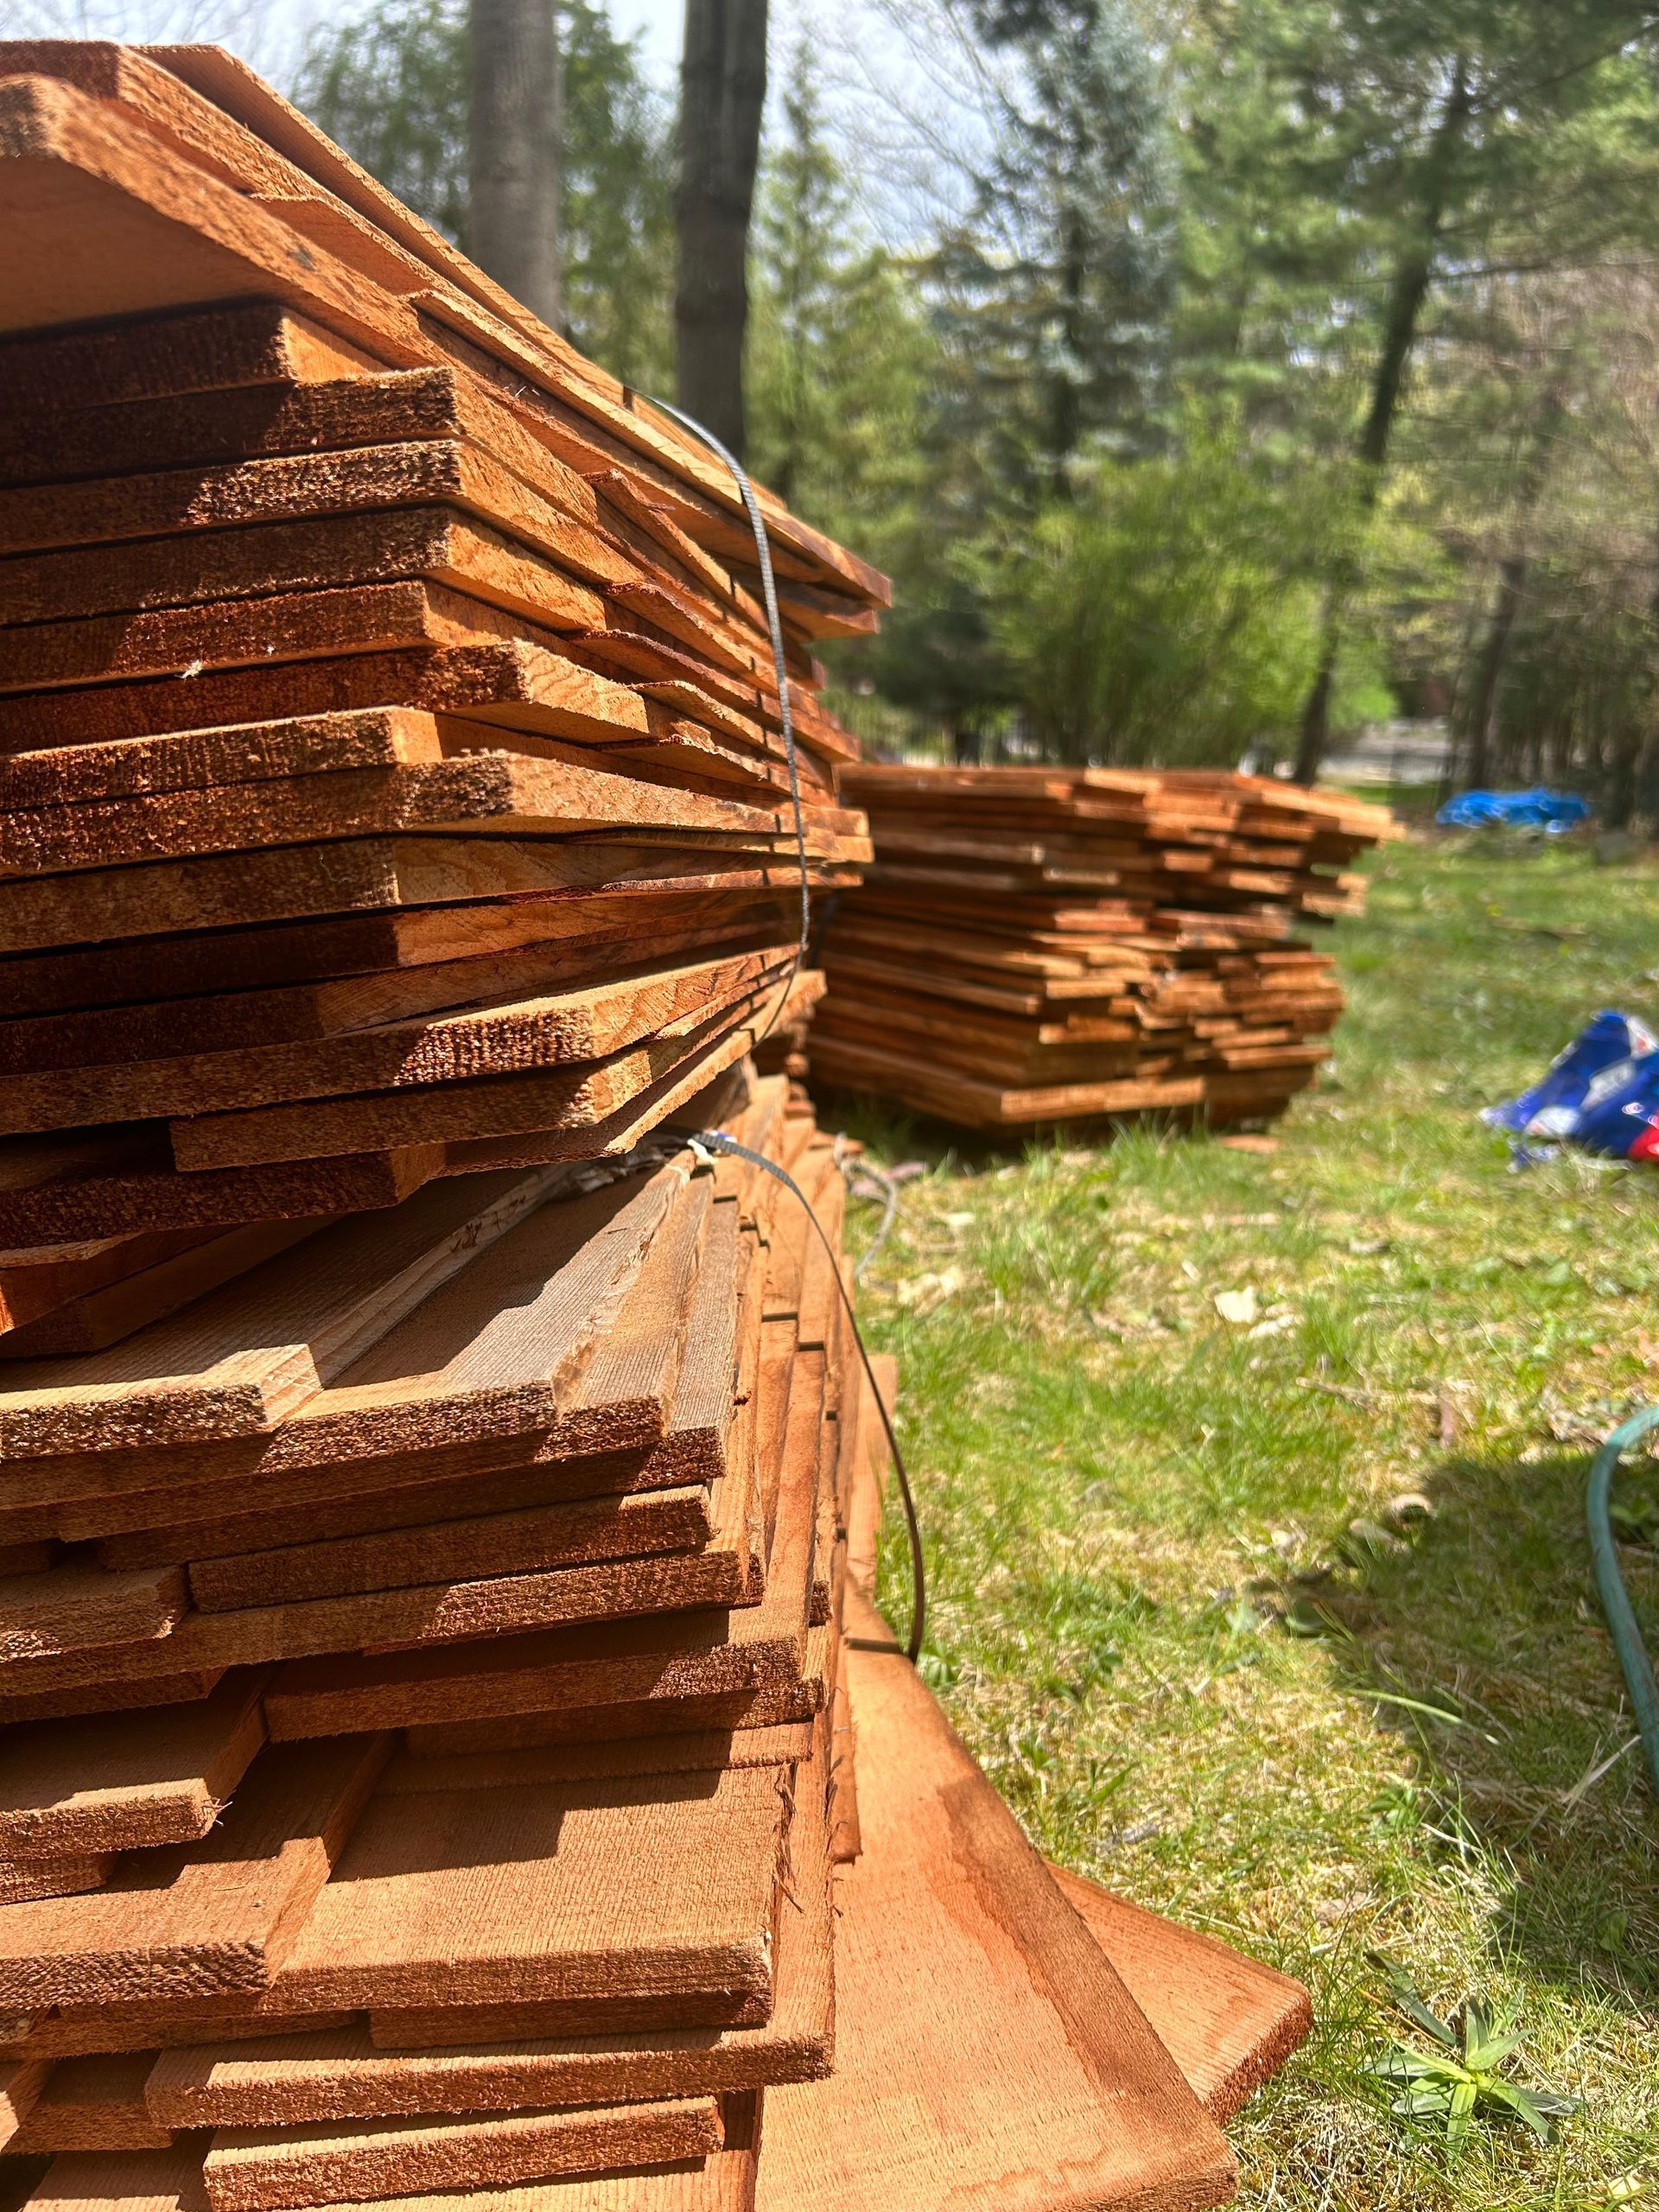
{"type": "Point", "coordinates": [1489, 1615]}
{"type": "Point", "coordinates": [897, 1134]}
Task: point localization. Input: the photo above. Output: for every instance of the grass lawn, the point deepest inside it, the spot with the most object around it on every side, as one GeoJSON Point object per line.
{"type": "Point", "coordinates": [1154, 1617]}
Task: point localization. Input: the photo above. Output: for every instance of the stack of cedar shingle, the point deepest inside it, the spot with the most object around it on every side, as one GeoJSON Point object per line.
{"type": "Point", "coordinates": [426, 1482]}
{"type": "Point", "coordinates": [1038, 945]}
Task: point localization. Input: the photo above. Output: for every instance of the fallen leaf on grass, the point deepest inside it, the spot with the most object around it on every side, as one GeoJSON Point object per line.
{"type": "Point", "coordinates": [1238, 1306]}
{"type": "Point", "coordinates": [921, 1294]}
{"type": "Point", "coordinates": [1277, 1325]}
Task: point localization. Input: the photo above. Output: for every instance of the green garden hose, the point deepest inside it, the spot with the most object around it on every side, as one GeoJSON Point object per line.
{"type": "Point", "coordinates": [1614, 1599]}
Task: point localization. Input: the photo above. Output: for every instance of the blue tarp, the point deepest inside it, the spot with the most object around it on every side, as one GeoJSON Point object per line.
{"type": "Point", "coordinates": [1535, 809]}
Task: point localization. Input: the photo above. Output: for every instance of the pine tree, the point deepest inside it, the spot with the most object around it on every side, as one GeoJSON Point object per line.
{"type": "Point", "coordinates": [1066, 269]}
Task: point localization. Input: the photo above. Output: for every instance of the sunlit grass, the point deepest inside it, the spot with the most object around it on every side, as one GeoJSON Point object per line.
{"type": "Point", "coordinates": [1127, 1499]}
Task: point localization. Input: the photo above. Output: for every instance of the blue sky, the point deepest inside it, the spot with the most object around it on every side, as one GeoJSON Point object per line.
{"type": "Point", "coordinates": [896, 97]}
{"type": "Point", "coordinates": [263, 28]}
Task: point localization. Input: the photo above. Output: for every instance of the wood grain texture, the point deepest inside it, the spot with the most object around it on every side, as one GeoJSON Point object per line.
{"type": "Point", "coordinates": [1228, 2021]}
{"type": "Point", "coordinates": [641, 1418]}
{"type": "Point", "coordinates": [636, 1888]}
{"type": "Point", "coordinates": [985, 2048]}
{"type": "Point", "coordinates": [171, 2181]}
{"type": "Point", "coordinates": [473, 1043]}
{"type": "Point", "coordinates": [20, 2082]}
{"type": "Point", "coordinates": [261, 2169]}
{"type": "Point", "coordinates": [495, 1351]}
{"type": "Point", "coordinates": [93, 2104]}
{"type": "Point", "coordinates": [235, 1367]}
{"type": "Point", "coordinates": [73, 1609]}
{"type": "Point", "coordinates": [99, 1785]}
{"type": "Point", "coordinates": [66, 1874]}
{"type": "Point", "coordinates": [407, 2066]}
{"type": "Point", "coordinates": [90, 1319]}
{"type": "Point", "coordinates": [698, 1655]}
{"type": "Point", "coordinates": [555, 793]}
{"type": "Point", "coordinates": [200, 1919]}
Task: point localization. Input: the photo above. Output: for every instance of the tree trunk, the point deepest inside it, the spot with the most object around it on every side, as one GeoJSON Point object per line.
{"type": "Point", "coordinates": [723, 93]}
{"type": "Point", "coordinates": [1065, 417]}
{"type": "Point", "coordinates": [1489, 685]}
{"type": "Point", "coordinates": [1619, 782]}
{"type": "Point", "coordinates": [514, 148]}
{"type": "Point", "coordinates": [1315, 733]}
{"type": "Point", "coordinates": [1486, 712]}
{"type": "Point", "coordinates": [1413, 276]}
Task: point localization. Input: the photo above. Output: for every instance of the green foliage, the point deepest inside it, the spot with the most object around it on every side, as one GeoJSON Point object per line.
{"type": "Point", "coordinates": [1402, 254]}
{"type": "Point", "coordinates": [840, 348]}
{"type": "Point", "coordinates": [1458, 2082]}
{"type": "Point", "coordinates": [1171, 614]}
{"type": "Point", "coordinates": [1062, 276]}
{"type": "Point", "coordinates": [389, 85]}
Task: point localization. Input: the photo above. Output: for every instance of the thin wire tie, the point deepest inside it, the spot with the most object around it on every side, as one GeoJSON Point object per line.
{"type": "Point", "coordinates": [774, 622]}
{"type": "Point", "coordinates": [707, 1141]}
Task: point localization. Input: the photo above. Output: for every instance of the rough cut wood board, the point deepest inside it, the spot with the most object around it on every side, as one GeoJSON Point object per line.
{"type": "Point", "coordinates": [310, 976]}
{"type": "Point", "coordinates": [367, 1315]}
{"type": "Point", "coordinates": [464, 1044]}
{"type": "Point", "coordinates": [235, 1366]}
{"type": "Point", "coordinates": [357, 875]}
{"type": "Point", "coordinates": [633, 1420]}
{"type": "Point", "coordinates": [64, 1191]}
{"type": "Point", "coordinates": [261, 2169]}
{"type": "Point", "coordinates": [69, 1874]}
{"type": "Point", "coordinates": [367, 475]}
{"type": "Point", "coordinates": [93, 2104]}
{"type": "Point", "coordinates": [56, 1190]}
{"type": "Point", "coordinates": [92, 1320]}
{"type": "Point", "coordinates": [170, 2181]}
{"type": "Point", "coordinates": [190, 1010]}
{"type": "Point", "coordinates": [290, 2080]}
{"type": "Point", "coordinates": [231, 348]}
{"type": "Point", "coordinates": [642, 1417]}
{"type": "Point", "coordinates": [1229, 2022]}
{"type": "Point", "coordinates": [558, 793]}
{"type": "Point", "coordinates": [35, 1283]}
{"type": "Point", "coordinates": [985, 2050]}
{"type": "Point", "coordinates": [504, 692]}
{"type": "Point", "coordinates": [20, 2082]}
{"type": "Point", "coordinates": [119, 1784]}
{"type": "Point", "coordinates": [636, 1888]}
{"type": "Point", "coordinates": [232, 427]}
{"type": "Point", "coordinates": [209, 1917]}
{"type": "Point", "coordinates": [82, 2031]}
{"type": "Point", "coordinates": [561, 1105]}
{"type": "Point", "coordinates": [536, 1538]}
{"type": "Point", "coordinates": [692, 1655]}
{"type": "Point", "coordinates": [75, 1610]}
{"type": "Point", "coordinates": [426, 1615]}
